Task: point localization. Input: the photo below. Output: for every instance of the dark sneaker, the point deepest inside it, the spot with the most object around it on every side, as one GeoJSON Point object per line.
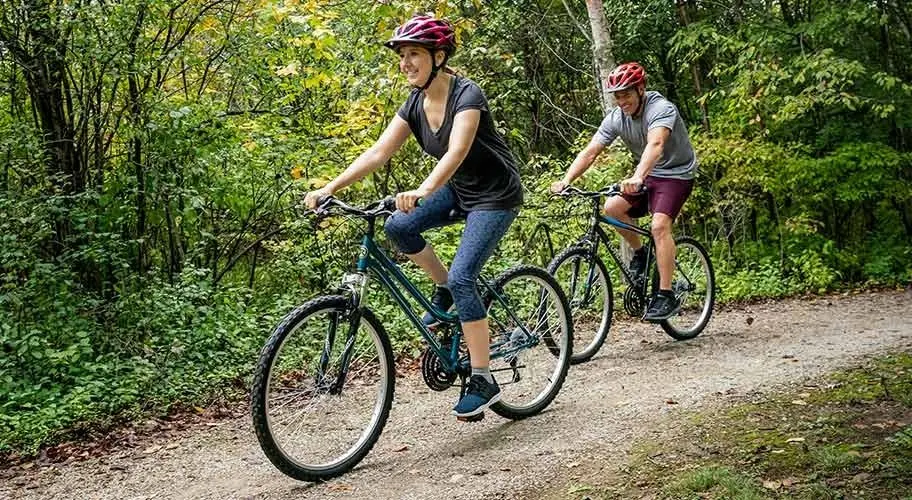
{"type": "Point", "coordinates": [443, 300]}
{"type": "Point", "coordinates": [664, 305]}
{"type": "Point", "coordinates": [638, 265]}
{"type": "Point", "coordinates": [479, 395]}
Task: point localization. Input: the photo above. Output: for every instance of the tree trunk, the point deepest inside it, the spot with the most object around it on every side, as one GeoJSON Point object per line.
{"type": "Point", "coordinates": [134, 154]}
{"type": "Point", "coordinates": [601, 50]}
{"type": "Point", "coordinates": [45, 72]}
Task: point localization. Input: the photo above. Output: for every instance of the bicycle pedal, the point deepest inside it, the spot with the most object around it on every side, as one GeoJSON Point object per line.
{"type": "Point", "coordinates": [473, 418]}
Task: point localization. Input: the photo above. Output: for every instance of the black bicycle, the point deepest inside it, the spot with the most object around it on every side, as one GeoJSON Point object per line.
{"type": "Point", "coordinates": [587, 283]}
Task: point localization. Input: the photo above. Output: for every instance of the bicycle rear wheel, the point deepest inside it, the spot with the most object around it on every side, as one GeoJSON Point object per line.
{"type": "Point", "coordinates": [694, 284]}
{"type": "Point", "coordinates": [323, 388]}
{"type": "Point", "coordinates": [530, 363]}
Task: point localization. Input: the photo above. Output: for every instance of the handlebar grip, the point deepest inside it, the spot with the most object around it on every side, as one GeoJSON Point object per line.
{"type": "Point", "coordinates": [388, 204]}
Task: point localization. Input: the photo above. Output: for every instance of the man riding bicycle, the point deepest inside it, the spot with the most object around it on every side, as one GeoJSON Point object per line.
{"type": "Point", "coordinates": [652, 128]}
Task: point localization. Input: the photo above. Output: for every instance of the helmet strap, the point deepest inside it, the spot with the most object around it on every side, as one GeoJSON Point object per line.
{"type": "Point", "coordinates": [641, 97]}
{"type": "Point", "coordinates": [434, 68]}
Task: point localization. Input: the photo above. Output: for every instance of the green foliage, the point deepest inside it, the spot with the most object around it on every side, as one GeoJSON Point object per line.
{"type": "Point", "coordinates": [717, 482]}
{"type": "Point", "coordinates": [148, 234]}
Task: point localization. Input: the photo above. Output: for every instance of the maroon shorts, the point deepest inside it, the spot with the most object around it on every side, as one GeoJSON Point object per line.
{"type": "Point", "coordinates": [664, 196]}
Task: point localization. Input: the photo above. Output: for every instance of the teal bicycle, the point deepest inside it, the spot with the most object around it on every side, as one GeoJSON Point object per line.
{"type": "Point", "coordinates": [323, 385]}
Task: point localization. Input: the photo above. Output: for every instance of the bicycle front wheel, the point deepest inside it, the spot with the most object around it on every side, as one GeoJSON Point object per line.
{"type": "Point", "coordinates": [323, 388]}
{"type": "Point", "coordinates": [587, 284]}
{"type": "Point", "coordinates": [694, 284]}
{"type": "Point", "coordinates": [532, 340]}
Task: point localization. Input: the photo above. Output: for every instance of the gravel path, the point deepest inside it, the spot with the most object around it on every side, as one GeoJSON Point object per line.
{"type": "Point", "coordinates": [634, 387]}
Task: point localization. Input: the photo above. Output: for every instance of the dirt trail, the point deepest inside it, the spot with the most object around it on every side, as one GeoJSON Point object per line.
{"type": "Point", "coordinates": [621, 394]}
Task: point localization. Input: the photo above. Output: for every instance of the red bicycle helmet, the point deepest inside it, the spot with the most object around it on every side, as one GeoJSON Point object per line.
{"type": "Point", "coordinates": [626, 76]}
{"type": "Point", "coordinates": [433, 33]}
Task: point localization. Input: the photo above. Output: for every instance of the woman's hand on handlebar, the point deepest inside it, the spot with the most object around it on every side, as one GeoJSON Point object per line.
{"type": "Point", "coordinates": [313, 198]}
{"type": "Point", "coordinates": [558, 186]}
{"type": "Point", "coordinates": [408, 200]}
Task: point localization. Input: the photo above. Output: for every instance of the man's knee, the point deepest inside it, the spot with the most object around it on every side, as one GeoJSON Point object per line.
{"type": "Point", "coordinates": [661, 225]}
{"type": "Point", "coordinates": [616, 207]}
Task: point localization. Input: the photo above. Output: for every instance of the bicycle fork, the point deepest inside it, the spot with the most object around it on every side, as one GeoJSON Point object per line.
{"type": "Point", "coordinates": [353, 285]}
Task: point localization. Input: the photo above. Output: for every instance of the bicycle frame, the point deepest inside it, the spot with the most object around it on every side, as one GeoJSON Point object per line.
{"type": "Point", "coordinates": [372, 259]}
{"type": "Point", "coordinates": [597, 234]}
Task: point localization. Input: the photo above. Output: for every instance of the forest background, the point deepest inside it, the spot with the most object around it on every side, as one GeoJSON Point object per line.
{"type": "Point", "coordinates": [152, 153]}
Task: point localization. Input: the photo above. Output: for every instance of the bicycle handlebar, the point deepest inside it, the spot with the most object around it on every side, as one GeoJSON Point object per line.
{"type": "Point", "coordinates": [612, 190]}
{"type": "Point", "coordinates": [386, 206]}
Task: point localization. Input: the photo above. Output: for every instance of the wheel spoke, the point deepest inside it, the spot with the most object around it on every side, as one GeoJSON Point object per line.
{"type": "Point", "coordinates": [309, 425]}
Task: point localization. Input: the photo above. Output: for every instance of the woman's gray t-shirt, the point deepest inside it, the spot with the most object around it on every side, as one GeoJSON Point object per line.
{"type": "Point", "coordinates": [678, 160]}
{"type": "Point", "coordinates": [488, 178]}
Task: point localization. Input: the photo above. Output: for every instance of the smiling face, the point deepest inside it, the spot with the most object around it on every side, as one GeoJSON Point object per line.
{"type": "Point", "coordinates": [415, 63]}
{"type": "Point", "coordinates": [629, 100]}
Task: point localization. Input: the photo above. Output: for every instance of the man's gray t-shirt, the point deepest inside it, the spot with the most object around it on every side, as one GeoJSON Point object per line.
{"type": "Point", "coordinates": [678, 160]}
{"type": "Point", "coordinates": [488, 178]}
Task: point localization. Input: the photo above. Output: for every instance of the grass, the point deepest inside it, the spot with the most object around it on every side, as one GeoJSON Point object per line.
{"type": "Point", "coordinates": [847, 436]}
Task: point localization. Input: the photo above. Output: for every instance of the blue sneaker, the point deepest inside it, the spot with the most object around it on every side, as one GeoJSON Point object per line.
{"type": "Point", "coordinates": [478, 396]}
{"type": "Point", "coordinates": [443, 300]}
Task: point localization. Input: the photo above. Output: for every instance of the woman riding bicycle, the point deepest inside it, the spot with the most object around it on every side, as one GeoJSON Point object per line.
{"type": "Point", "coordinates": [475, 173]}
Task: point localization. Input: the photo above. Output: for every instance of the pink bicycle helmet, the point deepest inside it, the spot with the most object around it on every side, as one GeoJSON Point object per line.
{"type": "Point", "coordinates": [433, 33]}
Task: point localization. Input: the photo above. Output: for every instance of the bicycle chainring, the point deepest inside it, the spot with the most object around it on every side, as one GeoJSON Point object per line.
{"type": "Point", "coordinates": [633, 304]}
{"type": "Point", "coordinates": [435, 374]}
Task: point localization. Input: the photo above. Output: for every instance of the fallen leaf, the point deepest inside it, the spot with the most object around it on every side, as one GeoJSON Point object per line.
{"type": "Point", "coordinates": [401, 448]}
{"type": "Point", "coordinates": [455, 478]}
{"type": "Point", "coordinates": [772, 485]}
{"type": "Point", "coordinates": [573, 464]}
{"type": "Point", "coordinates": [340, 487]}
{"type": "Point", "coordinates": [670, 402]}
{"type": "Point", "coordinates": [172, 446]}
{"type": "Point", "coordinates": [505, 469]}
{"type": "Point", "coordinates": [861, 477]}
